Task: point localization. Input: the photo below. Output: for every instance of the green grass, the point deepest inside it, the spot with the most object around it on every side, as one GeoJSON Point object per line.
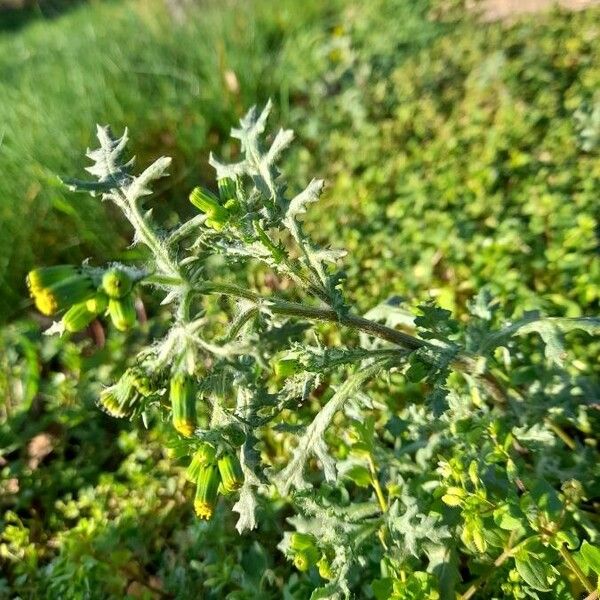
{"type": "Point", "coordinates": [457, 156]}
{"type": "Point", "coordinates": [122, 63]}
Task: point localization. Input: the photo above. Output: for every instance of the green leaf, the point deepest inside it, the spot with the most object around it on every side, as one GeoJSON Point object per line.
{"type": "Point", "coordinates": [359, 474]}
{"type": "Point", "coordinates": [412, 529]}
{"type": "Point", "coordinates": [550, 329]}
{"type": "Point", "coordinates": [382, 588]}
{"type": "Point", "coordinates": [297, 205]}
{"type": "Point", "coordinates": [313, 443]}
{"type": "Point", "coordinates": [534, 572]}
{"type": "Point", "coordinates": [509, 517]}
{"type": "Point", "coordinates": [443, 563]}
{"type": "Point", "coordinates": [591, 555]}
{"type": "Point", "coordinates": [108, 166]}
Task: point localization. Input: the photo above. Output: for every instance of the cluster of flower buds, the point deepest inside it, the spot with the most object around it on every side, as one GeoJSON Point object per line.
{"type": "Point", "coordinates": [118, 287]}
{"type": "Point", "coordinates": [119, 399]}
{"type": "Point", "coordinates": [305, 554]}
{"type": "Point", "coordinates": [75, 291]}
{"type": "Point", "coordinates": [212, 476]}
{"type": "Point", "coordinates": [217, 211]}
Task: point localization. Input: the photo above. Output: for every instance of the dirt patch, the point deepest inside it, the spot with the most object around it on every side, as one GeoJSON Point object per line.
{"type": "Point", "coordinates": [496, 10]}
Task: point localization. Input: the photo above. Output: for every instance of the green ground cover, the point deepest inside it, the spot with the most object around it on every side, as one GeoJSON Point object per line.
{"type": "Point", "coordinates": [457, 156]}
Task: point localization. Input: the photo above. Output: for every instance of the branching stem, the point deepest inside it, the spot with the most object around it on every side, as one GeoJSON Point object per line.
{"type": "Point", "coordinates": [462, 362]}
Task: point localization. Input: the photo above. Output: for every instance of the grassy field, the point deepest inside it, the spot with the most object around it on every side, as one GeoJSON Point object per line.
{"type": "Point", "coordinates": [457, 156]}
{"type": "Point", "coordinates": [178, 86]}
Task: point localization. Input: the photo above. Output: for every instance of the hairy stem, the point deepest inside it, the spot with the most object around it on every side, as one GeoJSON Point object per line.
{"type": "Point", "coordinates": [147, 235]}
{"type": "Point", "coordinates": [462, 362]}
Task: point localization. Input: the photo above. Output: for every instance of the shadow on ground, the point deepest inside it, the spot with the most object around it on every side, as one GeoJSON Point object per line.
{"type": "Point", "coordinates": [17, 13]}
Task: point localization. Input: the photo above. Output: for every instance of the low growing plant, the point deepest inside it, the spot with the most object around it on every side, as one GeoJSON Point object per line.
{"type": "Point", "coordinates": [422, 457]}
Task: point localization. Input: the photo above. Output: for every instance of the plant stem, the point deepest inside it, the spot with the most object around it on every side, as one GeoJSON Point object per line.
{"type": "Point", "coordinates": [462, 362]}
{"type": "Point", "coordinates": [562, 434]}
{"type": "Point", "coordinates": [383, 504]}
{"type": "Point", "coordinates": [472, 589]}
{"type": "Point", "coordinates": [145, 234]}
{"type": "Point", "coordinates": [376, 486]}
{"type": "Point", "coordinates": [572, 564]}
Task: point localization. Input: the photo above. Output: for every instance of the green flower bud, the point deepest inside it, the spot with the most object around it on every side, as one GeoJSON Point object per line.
{"type": "Point", "coordinates": [325, 568]}
{"type": "Point", "coordinates": [302, 541]}
{"type": "Point", "coordinates": [226, 189]}
{"type": "Point", "coordinates": [98, 303]}
{"type": "Point", "coordinates": [78, 317]}
{"type": "Point", "coordinates": [109, 402]}
{"type": "Point", "coordinates": [53, 292]}
{"type": "Point", "coordinates": [209, 204]}
{"type": "Point", "coordinates": [206, 492]}
{"type": "Point", "coordinates": [202, 457]}
{"type": "Point", "coordinates": [301, 562]}
{"type": "Point", "coordinates": [304, 559]}
{"type": "Point", "coordinates": [46, 277]}
{"type": "Point", "coordinates": [231, 473]}
{"type": "Point", "coordinates": [122, 312]}
{"type": "Point", "coordinates": [573, 491]}
{"type": "Point", "coordinates": [116, 283]}
{"type": "Point", "coordinates": [183, 402]}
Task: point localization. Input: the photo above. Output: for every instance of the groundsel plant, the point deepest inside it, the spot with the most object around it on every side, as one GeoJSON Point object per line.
{"type": "Point", "coordinates": [434, 453]}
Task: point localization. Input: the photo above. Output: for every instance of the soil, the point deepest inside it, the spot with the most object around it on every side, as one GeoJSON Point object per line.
{"type": "Point", "coordinates": [495, 10]}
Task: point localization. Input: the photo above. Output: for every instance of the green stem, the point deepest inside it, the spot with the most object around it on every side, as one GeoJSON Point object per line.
{"type": "Point", "coordinates": [472, 589]}
{"type": "Point", "coordinates": [562, 434]}
{"type": "Point", "coordinates": [377, 486]}
{"type": "Point", "coordinates": [462, 362]}
{"type": "Point", "coordinates": [148, 236]}
{"type": "Point", "coordinates": [572, 564]}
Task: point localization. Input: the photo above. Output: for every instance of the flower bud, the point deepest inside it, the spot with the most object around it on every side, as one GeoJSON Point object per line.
{"type": "Point", "coordinates": [226, 188]}
{"type": "Point", "coordinates": [183, 402]}
{"type": "Point", "coordinates": [325, 568]}
{"type": "Point", "coordinates": [46, 277]}
{"type": "Point", "coordinates": [116, 283]}
{"type": "Point", "coordinates": [122, 312]}
{"type": "Point", "coordinates": [202, 457]}
{"type": "Point", "coordinates": [53, 292]}
{"type": "Point", "coordinates": [109, 402]}
{"type": "Point", "coordinates": [304, 559]}
{"type": "Point", "coordinates": [301, 561]}
{"type": "Point", "coordinates": [97, 304]}
{"type": "Point", "coordinates": [208, 203]}
{"type": "Point", "coordinates": [78, 317]}
{"type": "Point", "coordinates": [231, 473]}
{"type": "Point", "coordinates": [206, 492]}
{"type": "Point", "coordinates": [302, 541]}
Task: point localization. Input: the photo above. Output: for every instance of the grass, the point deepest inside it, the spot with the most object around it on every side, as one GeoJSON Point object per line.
{"type": "Point", "coordinates": [457, 156]}
{"type": "Point", "coordinates": [179, 87]}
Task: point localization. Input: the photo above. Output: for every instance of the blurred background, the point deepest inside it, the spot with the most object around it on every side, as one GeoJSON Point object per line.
{"type": "Point", "coordinates": [460, 145]}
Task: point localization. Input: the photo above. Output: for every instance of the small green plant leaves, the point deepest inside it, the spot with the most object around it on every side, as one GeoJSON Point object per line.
{"type": "Point", "coordinates": [591, 555]}
{"type": "Point", "coordinates": [533, 570]}
{"type": "Point", "coordinates": [359, 474]}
